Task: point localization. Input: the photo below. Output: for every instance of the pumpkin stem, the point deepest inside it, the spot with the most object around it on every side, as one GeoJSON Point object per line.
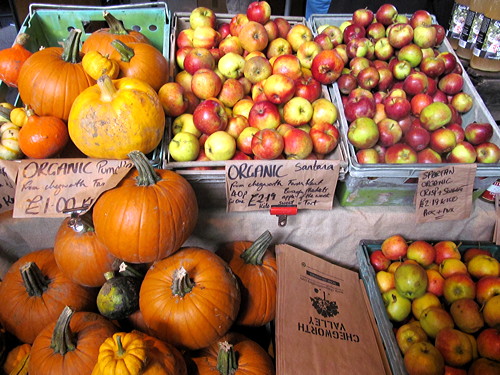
{"type": "Point", "coordinates": [21, 39]}
{"type": "Point", "coordinates": [78, 223]}
{"type": "Point", "coordinates": [226, 359]}
{"type": "Point", "coordinates": [115, 25]}
{"type": "Point", "coordinates": [71, 47]}
{"type": "Point", "coordinates": [121, 349]}
{"type": "Point", "coordinates": [126, 53]}
{"type": "Point", "coordinates": [181, 283]}
{"type": "Point", "coordinates": [62, 338]}
{"type": "Point", "coordinates": [147, 175]}
{"type": "Point", "coordinates": [34, 280]}
{"type": "Point", "coordinates": [107, 87]}
{"type": "Point", "coordinates": [255, 253]}
{"type": "Point", "coordinates": [126, 269]}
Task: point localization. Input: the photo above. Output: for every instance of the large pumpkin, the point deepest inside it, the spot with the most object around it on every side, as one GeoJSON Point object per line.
{"type": "Point", "coordinates": [37, 291]}
{"type": "Point", "coordinates": [189, 299]}
{"type": "Point", "coordinates": [113, 118]}
{"type": "Point", "coordinates": [80, 255]}
{"type": "Point", "coordinates": [148, 216]}
{"type": "Point", "coordinates": [254, 264]}
{"type": "Point", "coordinates": [70, 345]}
{"type": "Point", "coordinates": [52, 78]}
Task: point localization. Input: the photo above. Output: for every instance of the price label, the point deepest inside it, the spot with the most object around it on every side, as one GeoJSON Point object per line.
{"type": "Point", "coordinates": [48, 187]}
{"type": "Point", "coordinates": [308, 184]}
{"type": "Point", "coordinates": [8, 170]}
{"type": "Point", "coordinates": [445, 193]}
{"type": "Point", "coordinates": [496, 232]}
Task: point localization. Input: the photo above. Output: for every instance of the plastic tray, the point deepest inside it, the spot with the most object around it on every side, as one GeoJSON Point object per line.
{"type": "Point", "coordinates": [367, 273]}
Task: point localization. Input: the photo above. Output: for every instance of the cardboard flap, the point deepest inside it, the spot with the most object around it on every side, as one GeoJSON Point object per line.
{"type": "Point", "coordinates": [323, 325]}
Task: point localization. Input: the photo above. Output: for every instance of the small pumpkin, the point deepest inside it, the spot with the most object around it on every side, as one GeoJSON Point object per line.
{"type": "Point", "coordinates": [118, 297]}
{"type": "Point", "coordinates": [70, 345]}
{"type": "Point", "coordinates": [9, 142]}
{"type": "Point", "coordinates": [142, 61]}
{"type": "Point", "coordinates": [42, 136]}
{"type": "Point", "coordinates": [136, 353]}
{"type": "Point", "coordinates": [190, 298]}
{"type": "Point", "coordinates": [12, 59]}
{"type": "Point", "coordinates": [254, 264]}
{"type": "Point", "coordinates": [80, 255]}
{"type": "Point", "coordinates": [157, 212]}
{"type": "Point", "coordinates": [96, 64]}
{"type": "Point", "coordinates": [16, 357]}
{"type": "Point", "coordinates": [101, 39]}
{"type": "Point", "coordinates": [113, 118]}
{"type": "Point", "coordinates": [233, 354]}
{"type": "Point", "coordinates": [37, 292]}
{"type": "Point", "coordinates": [52, 78]}
{"type": "Point", "coordinates": [18, 116]}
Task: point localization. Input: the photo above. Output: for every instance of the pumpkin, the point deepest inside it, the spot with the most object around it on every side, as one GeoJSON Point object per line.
{"type": "Point", "coordinates": [142, 61]}
{"type": "Point", "coordinates": [118, 297]}
{"type": "Point", "coordinates": [9, 142]}
{"type": "Point", "coordinates": [43, 136]}
{"type": "Point", "coordinates": [12, 59]}
{"type": "Point", "coordinates": [16, 357]}
{"type": "Point", "coordinates": [190, 298]}
{"type": "Point", "coordinates": [156, 213]}
{"type": "Point", "coordinates": [70, 345]}
{"type": "Point", "coordinates": [101, 39]}
{"type": "Point", "coordinates": [95, 64]}
{"type": "Point", "coordinates": [51, 78]}
{"type": "Point", "coordinates": [37, 292]}
{"type": "Point", "coordinates": [18, 116]}
{"type": "Point", "coordinates": [254, 264]}
{"type": "Point", "coordinates": [113, 118]}
{"type": "Point", "coordinates": [80, 255]}
{"type": "Point", "coordinates": [233, 354]}
{"type": "Point", "coordinates": [136, 353]}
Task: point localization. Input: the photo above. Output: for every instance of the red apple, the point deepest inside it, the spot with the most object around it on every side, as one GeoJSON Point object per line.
{"type": "Point", "coordinates": [455, 346]}
{"type": "Point", "coordinates": [400, 35]}
{"type": "Point", "coordinates": [325, 137]}
{"type": "Point", "coordinates": [432, 66]}
{"type": "Point", "coordinates": [367, 156]}
{"type": "Point", "coordinates": [368, 78]}
{"type": "Point", "coordinates": [363, 17]}
{"type": "Point", "coordinates": [259, 11]}
{"type": "Point", "coordinates": [386, 14]}
{"type": "Point", "coordinates": [198, 58]}
{"type": "Point", "coordinates": [394, 247]}
{"type": "Point", "coordinates": [283, 26]}
{"type": "Point", "coordinates": [488, 344]}
{"type": "Point", "coordinates": [267, 144]}
{"type": "Point", "coordinates": [264, 115]}
{"type": "Point", "coordinates": [390, 132]}
{"type": "Point", "coordinates": [419, 102]}
{"type": "Point", "coordinates": [418, 138]}
{"type": "Point", "coordinates": [335, 35]}
{"type": "Point", "coordinates": [422, 252]}
{"type": "Point", "coordinates": [308, 88]}
{"type": "Point", "coordinates": [397, 108]}
{"type": "Point", "coordinates": [425, 36]}
{"type": "Point", "coordinates": [450, 61]}
{"type": "Point", "coordinates": [278, 88]}
{"type": "Point", "coordinates": [415, 83]}
{"type": "Point", "coordinates": [346, 83]}
{"type": "Point", "coordinates": [173, 99]}
{"type": "Point", "coordinates": [210, 116]}
{"type": "Point", "coordinates": [458, 130]}
{"type": "Point", "coordinates": [400, 153]}
{"type": "Point", "coordinates": [478, 132]}
{"type": "Point", "coordinates": [244, 140]}
{"type": "Point", "coordinates": [206, 83]}
{"type": "Point", "coordinates": [323, 41]}
{"type": "Point", "coordinates": [435, 282]}
{"type": "Point", "coordinates": [420, 17]}
{"type": "Point", "coordinates": [253, 36]}
{"type": "Point", "coordinates": [353, 31]}
{"type": "Point", "coordinates": [463, 152]}
{"type": "Point", "coordinates": [327, 66]}
{"type": "Point", "coordinates": [237, 22]}
{"type": "Point", "coordinates": [488, 152]}
{"type": "Point", "coordinates": [487, 287]}
{"type": "Point", "coordinates": [236, 124]}
{"type": "Point", "coordinates": [298, 144]}
{"type": "Point", "coordinates": [459, 286]}
{"type": "Point", "coordinates": [224, 30]}
{"type": "Point", "coordinates": [451, 83]}
{"type": "Point", "coordinates": [360, 106]}
{"type": "Point", "coordinates": [375, 31]}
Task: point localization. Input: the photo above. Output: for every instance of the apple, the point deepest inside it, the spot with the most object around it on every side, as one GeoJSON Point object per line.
{"type": "Point", "coordinates": [298, 144]}
{"type": "Point", "coordinates": [236, 124]}
{"type": "Point", "coordinates": [385, 281]}
{"type": "Point", "coordinates": [353, 31]}
{"type": "Point", "coordinates": [435, 116]}
{"type": "Point", "coordinates": [435, 282]}
{"type": "Point", "coordinates": [253, 36]}
{"type": "Point", "coordinates": [473, 251]}
{"type": "Point", "coordinates": [396, 107]}
{"type": "Point", "coordinates": [198, 58]}
{"type": "Point", "coordinates": [452, 266]}
{"type": "Point", "coordinates": [488, 152]}
{"type": "Point", "coordinates": [368, 78]}
{"type": "Point", "coordinates": [432, 66]}
{"type": "Point", "coordinates": [193, 101]}
{"type": "Point", "coordinates": [358, 107]}
{"type": "Point", "coordinates": [454, 346]}
{"type": "Point", "coordinates": [279, 88]}
{"type": "Point", "coordinates": [259, 11]}
{"type": "Point", "coordinates": [308, 88]}
{"type": "Point", "coordinates": [220, 145]}
{"type": "Point", "coordinates": [184, 79]}
{"type": "Point", "coordinates": [324, 111]}
{"type": "Point", "coordinates": [298, 34]}
{"type": "Point", "coordinates": [458, 286]}
{"type": "Point", "coordinates": [368, 156]}
{"type": "Point", "coordinates": [397, 307]}
{"type": "Point", "coordinates": [231, 65]}
{"type": "Point", "coordinates": [322, 40]}
{"type": "Point", "coordinates": [333, 33]}
{"type": "Point", "coordinates": [325, 137]}
{"type": "Point", "coordinates": [327, 66]}
{"type": "Point", "coordinates": [180, 55]}
{"type": "Point", "coordinates": [205, 37]}
{"type": "Point", "coordinates": [418, 138]}
{"type": "Point", "coordinates": [172, 98]}
{"type": "Point", "coordinates": [257, 93]}
{"type": "Point", "coordinates": [425, 36]}
{"type": "Point", "coordinates": [267, 144]}
{"type": "Point", "coordinates": [463, 152]}
{"type": "Point", "coordinates": [287, 65]}
{"type": "Point", "coordinates": [257, 69]}
{"type": "Point", "coordinates": [466, 314]}
{"type": "Point", "coordinates": [478, 132]}
{"type": "Point", "coordinates": [458, 130]}
{"type": "Point", "coordinates": [390, 132]}
{"type": "Point", "coordinates": [360, 47]}
{"type": "Point", "coordinates": [422, 252]}
{"type": "Point", "coordinates": [230, 43]}
{"type": "Point", "coordinates": [202, 16]}
{"type": "Point", "coordinates": [394, 247]}
{"type": "Point", "coordinates": [224, 30]}
{"type": "Point", "coordinates": [451, 83]}
{"type": "Point", "coordinates": [409, 334]}
{"type": "Point", "coordinates": [272, 30]}
{"type": "Point", "coordinates": [484, 366]}
{"type": "Point", "coordinates": [386, 80]}
{"type": "Point", "coordinates": [277, 47]}
{"type": "Point", "coordinates": [420, 17]}
{"type": "Point", "coordinates": [400, 69]}
{"type": "Point", "coordinates": [411, 280]}
{"type": "Point", "coordinates": [379, 261]}
{"type": "Point", "coordinates": [264, 115]}
{"type": "Point", "coordinates": [363, 17]}
{"type": "Point", "coordinates": [483, 265]}
{"type": "Point", "coordinates": [433, 319]}
{"type": "Point", "coordinates": [184, 146]}
{"type": "Point", "coordinates": [375, 31]}
{"type": "Point", "coordinates": [411, 53]}
{"type": "Point", "coordinates": [244, 140]}
{"type": "Point", "coordinates": [297, 111]}
{"type": "Point", "coordinates": [306, 53]}
{"type": "Point", "coordinates": [400, 153]}
{"type": "Point", "coordinates": [423, 302]}
{"type": "Point", "coordinates": [210, 117]}
{"type": "Point", "coordinates": [400, 35]}
{"type": "Point", "coordinates": [185, 123]}
{"type": "Point", "coordinates": [415, 83]}
{"type": "Point", "coordinates": [231, 92]}
{"type": "Point", "coordinates": [428, 155]}
{"type": "Point", "coordinates": [363, 133]}
{"type": "Point", "coordinates": [491, 312]}
{"type": "Point", "coordinates": [386, 14]}
{"type": "Point", "coordinates": [488, 344]}
{"type": "Point", "coordinates": [283, 26]}
{"type": "Point", "coordinates": [423, 358]}
{"type": "Point", "coordinates": [357, 64]}
{"type": "Point", "coordinates": [446, 249]}
{"type": "Point", "coordinates": [185, 38]}
{"type": "Point", "coordinates": [462, 102]}
{"type": "Point", "coordinates": [243, 107]}
{"type": "Point", "coordinates": [205, 83]}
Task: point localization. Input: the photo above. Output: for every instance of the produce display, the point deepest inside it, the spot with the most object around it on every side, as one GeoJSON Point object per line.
{"type": "Point", "coordinates": [443, 301]}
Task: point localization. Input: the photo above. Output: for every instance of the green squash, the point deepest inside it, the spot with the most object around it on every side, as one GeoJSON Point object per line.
{"type": "Point", "coordinates": [119, 296]}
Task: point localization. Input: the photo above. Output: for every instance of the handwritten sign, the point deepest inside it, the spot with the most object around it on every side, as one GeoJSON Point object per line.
{"type": "Point", "coordinates": [308, 184]}
{"type": "Point", "coordinates": [48, 187]}
{"type": "Point", "coordinates": [445, 193]}
{"type": "Point", "coordinates": [8, 171]}
{"type": "Point", "coordinates": [496, 233]}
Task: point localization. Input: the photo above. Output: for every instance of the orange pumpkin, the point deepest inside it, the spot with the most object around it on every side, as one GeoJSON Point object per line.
{"type": "Point", "coordinates": [156, 213]}
{"type": "Point", "coordinates": [51, 78]}
{"type": "Point", "coordinates": [80, 255]}
{"type": "Point", "coordinates": [37, 292]}
{"type": "Point", "coordinates": [254, 264]}
{"type": "Point", "coordinates": [12, 59]}
{"type": "Point", "coordinates": [17, 355]}
{"type": "Point", "coordinates": [101, 39]}
{"type": "Point", "coordinates": [233, 354]}
{"type": "Point", "coordinates": [70, 345]}
{"type": "Point", "coordinates": [189, 299]}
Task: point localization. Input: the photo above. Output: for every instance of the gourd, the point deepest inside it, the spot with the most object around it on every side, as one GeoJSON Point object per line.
{"type": "Point", "coordinates": [37, 292]}
{"type": "Point", "coordinates": [70, 345]}
{"type": "Point", "coordinates": [113, 118]}
{"type": "Point", "coordinates": [142, 61]}
{"type": "Point", "coordinates": [9, 142]}
{"type": "Point", "coordinates": [254, 264]}
{"type": "Point", "coordinates": [157, 212]}
{"type": "Point", "coordinates": [101, 39]}
{"type": "Point", "coordinates": [96, 64]}
{"type": "Point", "coordinates": [51, 78]}
{"type": "Point", "coordinates": [80, 255]}
{"type": "Point", "coordinates": [190, 298]}
{"type": "Point", "coordinates": [18, 116]}
{"type": "Point", "coordinates": [118, 297]}
{"type": "Point", "coordinates": [12, 59]}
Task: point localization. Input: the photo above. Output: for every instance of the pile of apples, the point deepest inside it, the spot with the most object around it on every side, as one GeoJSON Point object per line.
{"type": "Point", "coordinates": [250, 87]}
{"type": "Point", "coordinates": [444, 304]}
{"type": "Point", "coordinates": [402, 97]}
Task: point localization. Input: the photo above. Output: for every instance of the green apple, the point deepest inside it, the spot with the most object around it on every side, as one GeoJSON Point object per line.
{"type": "Point", "coordinates": [231, 65]}
{"type": "Point", "coordinates": [220, 146]}
{"type": "Point", "coordinates": [184, 146]}
{"type": "Point", "coordinates": [398, 307]}
{"type": "Point", "coordinates": [411, 280]}
{"type": "Point", "coordinates": [185, 123]}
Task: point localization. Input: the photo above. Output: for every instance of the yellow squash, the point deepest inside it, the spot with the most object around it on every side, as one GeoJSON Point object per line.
{"type": "Point", "coordinates": [95, 64]}
{"type": "Point", "coordinates": [9, 141]}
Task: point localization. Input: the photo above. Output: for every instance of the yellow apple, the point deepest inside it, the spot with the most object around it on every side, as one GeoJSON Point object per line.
{"type": "Point", "coordinates": [421, 303]}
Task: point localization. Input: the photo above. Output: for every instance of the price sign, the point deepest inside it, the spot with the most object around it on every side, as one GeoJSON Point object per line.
{"type": "Point", "coordinates": [48, 187]}
{"type": "Point", "coordinates": [308, 184]}
{"type": "Point", "coordinates": [445, 193]}
{"type": "Point", "coordinates": [496, 232]}
{"type": "Point", "coordinates": [8, 171]}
